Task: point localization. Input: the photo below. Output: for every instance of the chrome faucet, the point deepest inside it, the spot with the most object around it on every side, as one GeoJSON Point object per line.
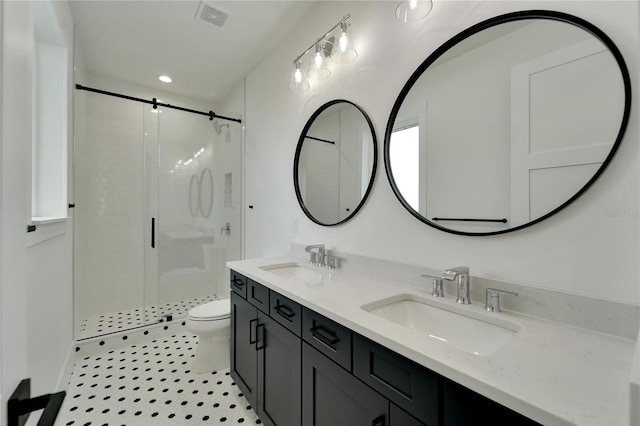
{"type": "Point", "coordinates": [316, 257]}
{"type": "Point", "coordinates": [459, 275]}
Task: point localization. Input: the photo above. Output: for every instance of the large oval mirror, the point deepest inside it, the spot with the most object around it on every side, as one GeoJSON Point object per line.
{"type": "Point", "coordinates": [335, 162]}
{"type": "Point", "coordinates": [507, 123]}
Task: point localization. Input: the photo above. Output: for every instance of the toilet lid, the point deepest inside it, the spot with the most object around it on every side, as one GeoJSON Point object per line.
{"type": "Point", "coordinates": [212, 310]}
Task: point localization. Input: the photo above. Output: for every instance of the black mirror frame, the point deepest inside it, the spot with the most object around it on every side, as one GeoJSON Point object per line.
{"type": "Point", "coordinates": [511, 17]}
{"type": "Point", "coordinates": [296, 160]}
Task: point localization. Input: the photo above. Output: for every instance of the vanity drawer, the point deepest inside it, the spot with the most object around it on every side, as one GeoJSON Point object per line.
{"type": "Point", "coordinates": [407, 384]}
{"type": "Point", "coordinates": [328, 337]}
{"type": "Point", "coordinates": [239, 284]}
{"type": "Point", "coordinates": [258, 295]}
{"type": "Point", "coordinates": [286, 312]}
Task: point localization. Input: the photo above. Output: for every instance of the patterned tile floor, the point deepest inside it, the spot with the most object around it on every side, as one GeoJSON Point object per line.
{"type": "Point", "coordinates": [119, 321]}
{"type": "Point", "coordinates": [149, 383]}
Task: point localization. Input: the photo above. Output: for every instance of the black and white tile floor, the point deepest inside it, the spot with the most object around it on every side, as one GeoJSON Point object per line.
{"type": "Point", "coordinates": [149, 383]}
{"type": "Point", "coordinates": [118, 321]}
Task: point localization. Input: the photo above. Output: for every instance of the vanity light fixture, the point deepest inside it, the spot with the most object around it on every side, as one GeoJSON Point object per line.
{"type": "Point", "coordinates": [333, 44]}
{"type": "Point", "coordinates": [165, 79]}
{"type": "Point", "coordinates": [413, 10]}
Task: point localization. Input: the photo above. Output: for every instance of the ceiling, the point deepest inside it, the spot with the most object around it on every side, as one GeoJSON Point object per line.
{"type": "Point", "coordinates": [137, 41]}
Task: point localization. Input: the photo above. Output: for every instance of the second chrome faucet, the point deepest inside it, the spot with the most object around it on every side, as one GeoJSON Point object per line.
{"type": "Point", "coordinates": [321, 257]}
{"type": "Point", "coordinates": [460, 276]}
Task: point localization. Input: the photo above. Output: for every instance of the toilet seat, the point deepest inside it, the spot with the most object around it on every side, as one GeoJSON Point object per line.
{"type": "Point", "coordinates": [216, 310]}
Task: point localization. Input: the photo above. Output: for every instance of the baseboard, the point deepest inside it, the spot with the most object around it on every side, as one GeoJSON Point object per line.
{"type": "Point", "coordinates": [67, 369]}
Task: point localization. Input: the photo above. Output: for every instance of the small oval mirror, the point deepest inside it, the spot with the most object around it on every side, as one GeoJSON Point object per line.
{"type": "Point", "coordinates": [206, 192]}
{"type": "Point", "coordinates": [335, 162]}
{"type": "Point", "coordinates": [194, 195]}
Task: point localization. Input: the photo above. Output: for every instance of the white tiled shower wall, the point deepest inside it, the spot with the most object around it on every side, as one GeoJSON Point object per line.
{"type": "Point", "coordinates": [109, 207]}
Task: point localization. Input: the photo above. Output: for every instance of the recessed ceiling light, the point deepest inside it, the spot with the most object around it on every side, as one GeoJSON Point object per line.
{"type": "Point", "coordinates": [165, 79]}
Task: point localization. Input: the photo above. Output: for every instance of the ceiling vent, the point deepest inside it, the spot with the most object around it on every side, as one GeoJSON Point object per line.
{"type": "Point", "coordinates": [209, 14]}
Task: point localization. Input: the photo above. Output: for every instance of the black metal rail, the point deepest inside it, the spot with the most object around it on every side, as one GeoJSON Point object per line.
{"type": "Point", "coordinates": [156, 104]}
{"type": "Point", "coordinates": [321, 140]}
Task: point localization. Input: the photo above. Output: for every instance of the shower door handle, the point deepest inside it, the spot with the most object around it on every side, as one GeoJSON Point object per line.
{"type": "Point", "coordinates": [153, 232]}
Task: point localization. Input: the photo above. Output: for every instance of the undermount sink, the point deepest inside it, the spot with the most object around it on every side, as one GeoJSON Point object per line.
{"type": "Point", "coordinates": [294, 271]}
{"type": "Point", "coordinates": [467, 330]}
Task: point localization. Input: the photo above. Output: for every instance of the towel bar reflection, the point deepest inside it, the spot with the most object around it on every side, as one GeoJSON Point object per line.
{"type": "Point", "coordinates": [460, 219]}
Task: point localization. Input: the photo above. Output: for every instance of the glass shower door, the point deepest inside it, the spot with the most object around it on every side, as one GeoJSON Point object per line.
{"type": "Point", "coordinates": [195, 228]}
{"type": "Point", "coordinates": [157, 195]}
{"type": "Point", "coordinates": [112, 194]}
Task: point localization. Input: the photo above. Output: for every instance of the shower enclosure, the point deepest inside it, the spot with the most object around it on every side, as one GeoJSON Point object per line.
{"type": "Point", "coordinates": [157, 212]}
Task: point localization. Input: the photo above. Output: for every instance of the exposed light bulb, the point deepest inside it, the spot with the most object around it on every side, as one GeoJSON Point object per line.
{"type": "Point", "coordinates": [413, 4]}
{"type": "Point", "coordinates": [317, 69]}
{"type": "Point", "coordinates": [298, 82]}
{"type": "Point", "coordinates": [317, 59]}
{"type": "Point", "coordinates": [345, 53]}
{"type": "Point", "coordinates": [344, 41]}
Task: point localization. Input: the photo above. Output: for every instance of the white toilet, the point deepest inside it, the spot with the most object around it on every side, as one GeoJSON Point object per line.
{"type": "Point", "coordinates": [211, 322]}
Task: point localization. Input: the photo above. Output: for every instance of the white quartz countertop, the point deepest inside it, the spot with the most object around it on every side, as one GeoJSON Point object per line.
{"type": "Point", "coordinates": [551, 372]}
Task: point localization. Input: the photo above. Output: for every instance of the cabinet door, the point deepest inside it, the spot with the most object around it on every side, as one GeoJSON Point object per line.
{"type": "Point", "coordinates": [331, 396]}
{"type": "Point", "coordinates": [462, 407]}
{"type": "Point", "coordinates": [399, 417]}
{"type": "Point", "coordinates": [279, 374]}
{"type": "Point", "coordinates": [244, 359]}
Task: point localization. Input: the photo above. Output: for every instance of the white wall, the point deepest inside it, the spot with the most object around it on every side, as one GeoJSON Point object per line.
{"type": "Point", "coordinates": [36, 270]}
{"type": "Point", "coordinates": [590, 248]}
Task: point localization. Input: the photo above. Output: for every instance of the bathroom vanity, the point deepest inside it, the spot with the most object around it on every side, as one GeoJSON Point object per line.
{"type": "Point", "coordinates": [314, 346]}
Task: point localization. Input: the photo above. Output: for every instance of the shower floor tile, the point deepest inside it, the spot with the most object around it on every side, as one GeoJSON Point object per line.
{"type": "Point", "coordinates": [149, 383]}
{"type": "Point", "coordinates": [118, 321]}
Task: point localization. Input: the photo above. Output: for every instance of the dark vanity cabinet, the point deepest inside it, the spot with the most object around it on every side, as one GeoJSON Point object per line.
{"type": "Point", "coordinates": [265, 357]}
{"type": "Point", "coordinates": [297, 367]}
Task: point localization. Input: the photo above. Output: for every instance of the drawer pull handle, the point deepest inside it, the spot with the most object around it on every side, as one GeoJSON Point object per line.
{"type": "Point", "coordinates": [252, 331]}
{"type": "Point", "coordinates": [322, 337]}
{"type": "Point", "coordinates": [253, 295]}
{"type": "Point", "coordinates": [378, 421]}
{"type": "Point", "coordinates": [259, 337]}
{"type": "Point", "coordinates": [237, 282]}
{"type": "Point", "coordinates": [285, 312]}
